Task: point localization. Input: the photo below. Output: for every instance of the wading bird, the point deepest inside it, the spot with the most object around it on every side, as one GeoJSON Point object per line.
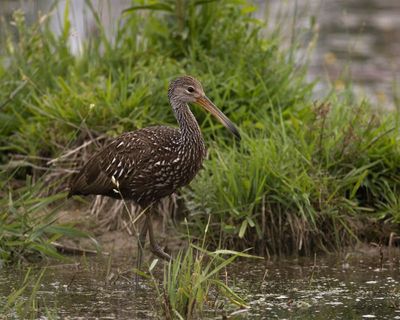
{"type": "Point", "coordinates": [150, 163]}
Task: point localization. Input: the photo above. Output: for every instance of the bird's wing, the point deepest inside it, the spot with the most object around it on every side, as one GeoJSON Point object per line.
{"type": "Point", "coordinates": [120, 160]}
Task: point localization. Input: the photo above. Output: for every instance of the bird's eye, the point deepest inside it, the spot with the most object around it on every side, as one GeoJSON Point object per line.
{"type": "Point", "coordinates": [190, 89]}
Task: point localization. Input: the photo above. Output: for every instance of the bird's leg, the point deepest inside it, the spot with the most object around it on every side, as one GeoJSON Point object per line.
{"type": "Point", "coordinates": [142, 240]}
{"type": "Point", "coordinates": [155, 248]}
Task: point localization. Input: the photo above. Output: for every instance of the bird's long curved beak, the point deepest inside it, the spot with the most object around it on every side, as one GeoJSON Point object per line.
{"type": "Point", "coordinates": [210, 107]}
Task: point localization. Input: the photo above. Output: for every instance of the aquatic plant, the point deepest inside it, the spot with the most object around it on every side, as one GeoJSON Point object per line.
{"type": "Point", "coordinates": [28, 227]}
{"type": "Point", "coordinates": [193, 280]}
{"type": "Point", "coordinates": [192, 284]}
{"type": "Point", "coordinates": [23, 301]}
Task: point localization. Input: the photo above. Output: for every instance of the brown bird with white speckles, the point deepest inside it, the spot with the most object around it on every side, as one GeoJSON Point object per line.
{"type": "Point", "coordinates": [150, 163]}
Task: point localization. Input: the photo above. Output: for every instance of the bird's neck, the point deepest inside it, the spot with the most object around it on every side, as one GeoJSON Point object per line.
{"type": "Point", "coordinates": [189, 128]}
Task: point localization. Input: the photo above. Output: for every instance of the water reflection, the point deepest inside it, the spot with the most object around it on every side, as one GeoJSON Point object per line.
{"type": "Point", "coordinates": [334, 287]}
{"type": "Point", "coordinates": [327, 288]}
{"type": "Point", "coordinates": [87, 288]}
{"type": "Point", "coordinates": [363, 36]}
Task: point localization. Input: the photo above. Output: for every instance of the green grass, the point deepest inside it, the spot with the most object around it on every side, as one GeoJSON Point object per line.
{"type": "Point", "coordinates": [196, 284]}
{"type": "Point", "coordinates": [193, 284]}
{"type": "Point", "coordinates": [127, 82]}
{"type": "Point", "coordinates": [191, 280]}
{"type": "Point", "coordinates": [306, 176]}
{"type": "Point", "coordinates": [304, 185]}
{"type": "Point", "coordinates": [28, 224]}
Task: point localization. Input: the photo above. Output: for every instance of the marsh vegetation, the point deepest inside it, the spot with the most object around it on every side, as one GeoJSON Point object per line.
{"type": "Point", "coordinates": [308, 177]}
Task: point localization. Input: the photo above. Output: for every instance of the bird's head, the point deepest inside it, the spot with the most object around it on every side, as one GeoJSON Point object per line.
{"type": "Point", "coordinates": [187, 89]}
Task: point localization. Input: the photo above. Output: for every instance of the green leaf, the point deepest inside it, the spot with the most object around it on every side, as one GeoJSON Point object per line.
{"type": "Point", "coordinates": [153, 264]}
{"type": "Point", "coordinates": [251, 222]}
{"type": "Point", "coordinates": [47, 250]}
{"type": "Point", "coordinates": [243, 228]}
{"type": "Point", "coordinates": [154, 7]}
{"type": "Point", "coordinates": [67, 231]}
{"type": "Point", "coordinates": [232, 252]}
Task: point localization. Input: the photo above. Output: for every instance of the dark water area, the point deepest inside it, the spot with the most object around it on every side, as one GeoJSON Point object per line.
{"type": "Point", "coordinates": [325, 288]}
{"type": "Point", "coordinates": [86, 288]}
{"type": "Point", "coordinates": [359, 39]}
{"type": "Point", "coordinates": [356, 286]}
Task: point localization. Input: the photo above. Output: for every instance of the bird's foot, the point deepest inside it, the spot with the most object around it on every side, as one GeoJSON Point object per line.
{"type": "Point", "coordinates": [159, 252]}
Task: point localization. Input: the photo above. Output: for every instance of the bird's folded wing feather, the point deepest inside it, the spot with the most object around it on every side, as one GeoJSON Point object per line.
{"type": "Point", "coordinates": [114, 164]}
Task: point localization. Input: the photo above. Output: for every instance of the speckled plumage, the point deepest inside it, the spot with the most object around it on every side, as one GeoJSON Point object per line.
{"type": "Point", "coordinates": [147, 164]}
{"type": "Point", "coordinates": [150, 163]}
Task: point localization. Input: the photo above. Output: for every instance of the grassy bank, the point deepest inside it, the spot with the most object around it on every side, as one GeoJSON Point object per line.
{"type": "Point", "coordinates": [307, 176]}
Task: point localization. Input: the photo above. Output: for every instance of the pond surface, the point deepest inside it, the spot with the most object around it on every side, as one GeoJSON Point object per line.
{"type": "Point", "coordinates": [357, 40]}
{"type": "Point", "coordinates": [335, 287]}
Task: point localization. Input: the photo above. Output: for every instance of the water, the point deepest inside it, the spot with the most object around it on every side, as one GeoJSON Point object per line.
{"type": "Point", "coordinates": [361, 38]}
{"type": "Point", "coordinates": [358, 286]}
{"type": "Point", "coordinates": [357, 40]}
{"type": "Point", "coordinates": [86, 288]}
{"type": "Point", "coordinates": [327, 288]}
